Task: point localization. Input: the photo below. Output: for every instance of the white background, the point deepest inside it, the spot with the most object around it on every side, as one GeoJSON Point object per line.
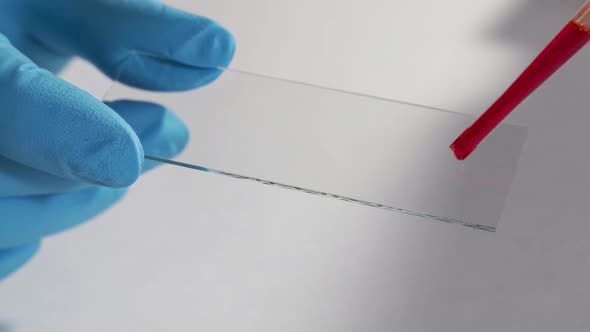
{"type": "Point", "coordinates": [187, 251]}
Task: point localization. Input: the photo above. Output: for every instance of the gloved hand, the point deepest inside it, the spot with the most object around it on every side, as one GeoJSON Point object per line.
{"type": "Point", "coordinates": [64, 155]}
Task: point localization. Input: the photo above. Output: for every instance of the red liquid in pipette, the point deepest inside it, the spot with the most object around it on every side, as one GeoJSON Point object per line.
{"type": "Point", "coordinates": [563, 47]}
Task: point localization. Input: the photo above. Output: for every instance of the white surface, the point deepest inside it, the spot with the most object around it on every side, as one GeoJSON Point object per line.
{"type": "Point", "coordinates": [190, 251]}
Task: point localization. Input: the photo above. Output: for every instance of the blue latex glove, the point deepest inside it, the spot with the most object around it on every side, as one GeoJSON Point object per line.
{"type": "Point", "coordinates": [64, 155]}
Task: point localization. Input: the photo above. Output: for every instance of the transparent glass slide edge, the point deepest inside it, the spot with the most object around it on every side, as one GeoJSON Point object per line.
{"type": "Point", "coordinates": [357, 148]}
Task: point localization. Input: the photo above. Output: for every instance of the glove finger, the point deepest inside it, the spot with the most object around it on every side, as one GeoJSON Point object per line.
{"type": "Point", "coordinates": [165, 138]}
{"type": "Point", "coordinates": [171, 41]}
{"type": "Point", "coordinates": [26, 219]}
{"type": "Point", "coordinates": [161, 133]}
{"type": "Point", "coordinates": [140, 71]}
{"type": "Point", "coordinates": [10, 17]}
{"type": "Point", "coordinates": [19, 180]}
{"type": "Point", "coordinates": [14, 258]}
{"type": "Point", "coordinates": [49, 124]}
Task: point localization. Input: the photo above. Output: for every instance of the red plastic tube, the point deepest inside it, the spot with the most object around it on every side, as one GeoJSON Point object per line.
{"type": "Point", "coordinates": [573, 37]}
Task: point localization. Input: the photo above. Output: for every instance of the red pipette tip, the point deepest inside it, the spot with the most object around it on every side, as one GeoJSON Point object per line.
{"type": "Point", "coordinates": [562, 48]}
{"type": "Point", "coordinates": [465, 144]}
{"type": "Point", "coordinates": [460, 151]}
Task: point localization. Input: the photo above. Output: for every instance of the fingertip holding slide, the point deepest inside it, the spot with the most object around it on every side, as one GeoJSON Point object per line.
{"type": "Point", "coordinates": [156, 74]}
{"type": "Point", "coordinates": [159, 129]}
{"type": "Point", "coordinates": [173, 50]}
{"type": "Point", "coordinates": [87, 140]}
{"type": "Point", "coordinates": [214, 47]}
{"type": "Point", "coordinates": [115, 161]}
{"type": "Point", "coordinates": [194, 62]}
{"type": "Point", "coordinates": [187, 38]}
{"type": "Point", "coordinates": [168, 49]}
{"type": "Point", "coordinates": [161, 132]}
{"type": "Point", "coordinates": [61, 129]}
